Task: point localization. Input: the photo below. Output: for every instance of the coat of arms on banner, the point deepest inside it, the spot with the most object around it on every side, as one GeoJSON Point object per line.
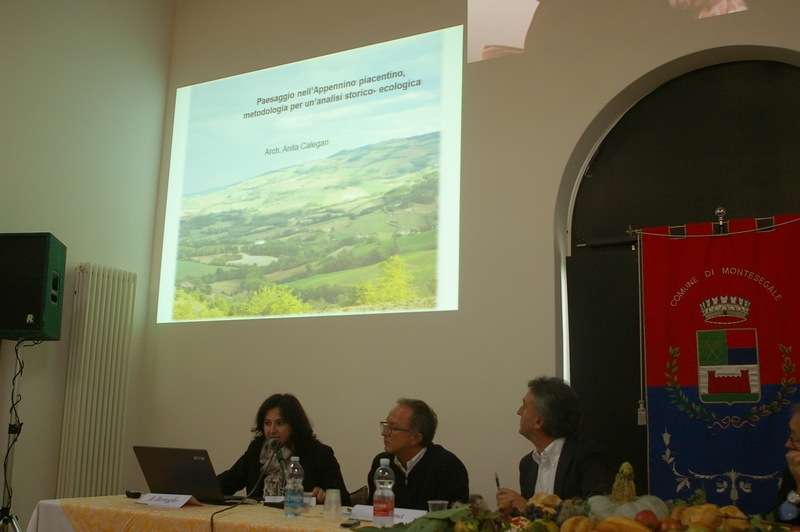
{"type": "Point", "coordinates": [727, 369]}
{"type": "Point", "coordinates": [720, 315]}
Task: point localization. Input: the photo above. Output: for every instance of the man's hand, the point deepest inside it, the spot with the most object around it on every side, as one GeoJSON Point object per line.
{"type": "Point", "coordinates": [507, 498]}
{"type": "Point", "coordinates": [319, 493]}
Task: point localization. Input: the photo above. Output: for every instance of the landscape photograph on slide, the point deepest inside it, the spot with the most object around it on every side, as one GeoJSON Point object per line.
{"type": "Point", "coordinates": [327, 186]}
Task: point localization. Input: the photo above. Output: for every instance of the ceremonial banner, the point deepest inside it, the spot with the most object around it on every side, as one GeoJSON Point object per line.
{"type": "Point", "coordinates": [721, 328]}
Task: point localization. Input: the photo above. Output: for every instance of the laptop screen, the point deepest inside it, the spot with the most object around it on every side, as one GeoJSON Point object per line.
{"type": "Point", "coordinates": [179, 472]}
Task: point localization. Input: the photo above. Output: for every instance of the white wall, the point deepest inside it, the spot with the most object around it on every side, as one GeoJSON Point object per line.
{"type": "Point", "coordinates": [82, 99]}
{"type": "Point", "coordinates": [86, 102]}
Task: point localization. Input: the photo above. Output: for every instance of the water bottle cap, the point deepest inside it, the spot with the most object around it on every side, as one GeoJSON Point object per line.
{"type": "Point", "coordinates": [384, 461]}
{"type": "Point", "coordinates": [295, 458]}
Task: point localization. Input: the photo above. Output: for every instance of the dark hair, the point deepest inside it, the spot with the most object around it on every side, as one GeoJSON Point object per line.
{"type": "Point", "coordinates": [557, 404]}
{"type": "Point", "coordinates": [292, 411]}
{"type": "Point", "coordinates": [423, 419]}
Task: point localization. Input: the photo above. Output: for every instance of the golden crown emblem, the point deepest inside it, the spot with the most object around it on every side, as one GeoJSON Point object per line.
{"type": "Point", "coordinates": [725, 309]}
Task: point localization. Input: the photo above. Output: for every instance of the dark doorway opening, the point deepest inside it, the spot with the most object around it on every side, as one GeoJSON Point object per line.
{"type": "Point", "coordinates": [727, 136]}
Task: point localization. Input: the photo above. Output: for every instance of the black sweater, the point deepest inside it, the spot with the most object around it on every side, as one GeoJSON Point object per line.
{"type": "Point", "coordinates": [439, 475]}
{"type": "Point", "coordinates": [320, 468]}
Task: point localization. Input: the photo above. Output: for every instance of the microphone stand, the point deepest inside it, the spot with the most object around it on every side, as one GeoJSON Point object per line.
{"type": "Point", "coordinates": [252, 491]}
{"type": "Point", "coordinates": [9, 521]}
{"type": "Point", "coordinates": [282, 462]}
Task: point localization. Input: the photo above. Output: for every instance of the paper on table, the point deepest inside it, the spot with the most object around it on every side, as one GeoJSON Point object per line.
{"type": "Point", "coordinates": [401, 515]}
{"type": "Point", "coordinates": [167, 500]}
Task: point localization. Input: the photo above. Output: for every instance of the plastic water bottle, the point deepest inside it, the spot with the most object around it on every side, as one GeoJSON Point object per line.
{"type": "Point", "coordinates": [293, 492]}
{"type": "Point", "coordinates": [383, 500]}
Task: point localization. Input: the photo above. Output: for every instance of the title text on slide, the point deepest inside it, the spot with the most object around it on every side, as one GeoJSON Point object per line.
{"type": "Point", "coordinates": [281, 103]}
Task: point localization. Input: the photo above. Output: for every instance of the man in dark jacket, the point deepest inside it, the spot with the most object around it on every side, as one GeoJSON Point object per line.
{"type": "Point", "coordinates": [423, 471]}
{"type": "Point", "coordinates": [787, 506]}
{"type": "Point", "coordinates": [561, 462]}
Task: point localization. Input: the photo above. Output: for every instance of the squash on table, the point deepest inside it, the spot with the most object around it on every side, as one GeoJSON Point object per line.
{"type": "Point", "coordinates": [620, 523]}
{"type": "Point", "coordinates": [577, 523]}
{"type": "Point", "coordinates": [703, 514]}
{"type": "Point", "coordinates": [623, 500]}
{"type": "Point", "coordinates": [733, 519]}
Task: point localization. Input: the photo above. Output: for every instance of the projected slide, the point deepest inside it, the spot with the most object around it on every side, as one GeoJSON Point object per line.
{"type": "Point", "coordinates": [326, 186]}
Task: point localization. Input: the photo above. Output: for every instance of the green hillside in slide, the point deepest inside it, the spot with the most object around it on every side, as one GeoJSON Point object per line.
{"type": "Point", "coordinates": [348, 232]}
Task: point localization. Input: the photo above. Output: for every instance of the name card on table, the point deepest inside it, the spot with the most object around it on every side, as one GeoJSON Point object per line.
{"type": "Point", "coordinates": [401, 515]}
{"type": "Point", "coordinates": [165, 500]}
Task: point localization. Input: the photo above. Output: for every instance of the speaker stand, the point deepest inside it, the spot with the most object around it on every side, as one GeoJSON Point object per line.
{"type": "Point", "coordinates": [9, 521]}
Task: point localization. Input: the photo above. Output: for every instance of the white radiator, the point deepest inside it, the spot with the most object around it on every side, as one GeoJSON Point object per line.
{"type": "Point", "coordinates": [90, 460]}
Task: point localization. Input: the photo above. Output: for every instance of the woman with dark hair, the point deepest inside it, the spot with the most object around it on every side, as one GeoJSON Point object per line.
{"type": "Point", "coordinates": [282, 420]}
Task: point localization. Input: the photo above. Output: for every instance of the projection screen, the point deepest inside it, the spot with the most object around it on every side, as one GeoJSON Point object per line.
{"type": "Point", "coordinates": [326, 186]}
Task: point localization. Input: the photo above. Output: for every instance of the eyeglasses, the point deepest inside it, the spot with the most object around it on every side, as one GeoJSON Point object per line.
{"type": "Point", "coordinates": [386, 428]}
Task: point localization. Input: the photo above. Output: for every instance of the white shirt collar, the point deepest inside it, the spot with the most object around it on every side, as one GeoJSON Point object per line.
{"type": "Point", "coordinates": [548, 462]}
{"type": "Point", "coordinates": [552, 452]}
{"type": "Point", "coordinates": [411, 463]}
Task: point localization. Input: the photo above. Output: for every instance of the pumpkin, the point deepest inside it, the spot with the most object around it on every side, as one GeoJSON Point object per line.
{"type": "Point", "coordinates": [704, 514]}
{"type": "Point", "coordinates": [577, 523]}
{"type": "Point", "coordinates": [620, 523]}
{"type": "Point", "coordinates": [623, 500]}
{"type": "Point", "coordinates": [734, 520]}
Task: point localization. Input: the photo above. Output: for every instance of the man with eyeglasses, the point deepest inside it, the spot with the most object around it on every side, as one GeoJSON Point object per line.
{"type": "Point", "coordinates": [561, 462]}
{"type": "Point", "coordinates": [787, 505]}
{"type": "Point", "coordinates": [424, 471]}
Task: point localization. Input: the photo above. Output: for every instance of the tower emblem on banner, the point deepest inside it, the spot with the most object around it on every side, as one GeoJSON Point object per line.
{"type": "Point", "coordinates": [727, 359]}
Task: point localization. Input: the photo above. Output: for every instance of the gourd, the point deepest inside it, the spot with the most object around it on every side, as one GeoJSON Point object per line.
{"type": "Point", "coordinates": [620, 523]}
{"type": "Point", "coordinates": [577, 523]}
{"type": "Point", "coordinates": [734, 519]}
{"type": "Point", "coordinates": [705, 514]}
{"type": "Point", "coordinates": [623, 500]}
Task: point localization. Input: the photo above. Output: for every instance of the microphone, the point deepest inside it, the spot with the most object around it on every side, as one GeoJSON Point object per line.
{"type": "Point", "coordinates": [274, 445]}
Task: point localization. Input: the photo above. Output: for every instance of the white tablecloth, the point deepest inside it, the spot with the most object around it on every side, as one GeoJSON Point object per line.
{"type": "Point", "coordinates": [49, 517]}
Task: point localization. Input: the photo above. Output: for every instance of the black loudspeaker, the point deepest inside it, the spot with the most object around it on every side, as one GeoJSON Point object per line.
{"type": "Point", "coordinates": [31, 286]}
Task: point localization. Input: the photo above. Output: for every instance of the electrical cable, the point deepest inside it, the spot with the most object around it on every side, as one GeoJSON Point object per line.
{"type": "Point", "coordinates": [14, 429]}
{"type": "Point", "coordinates": [255, 486]}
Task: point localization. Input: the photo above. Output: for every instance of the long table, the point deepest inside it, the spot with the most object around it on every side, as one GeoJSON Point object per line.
{"type": "Point", "coordinates": [117, 512]}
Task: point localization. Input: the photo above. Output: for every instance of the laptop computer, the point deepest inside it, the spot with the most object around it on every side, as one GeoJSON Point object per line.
{"type": "Point", "coordinates": [180, 472]}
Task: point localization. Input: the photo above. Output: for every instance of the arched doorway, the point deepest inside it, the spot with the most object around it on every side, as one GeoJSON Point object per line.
{"type": "Point", "coordinates": [725, 135]}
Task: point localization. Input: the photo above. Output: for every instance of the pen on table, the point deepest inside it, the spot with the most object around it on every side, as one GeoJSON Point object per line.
{"type": "Point", "coordinates": [497, 481]}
